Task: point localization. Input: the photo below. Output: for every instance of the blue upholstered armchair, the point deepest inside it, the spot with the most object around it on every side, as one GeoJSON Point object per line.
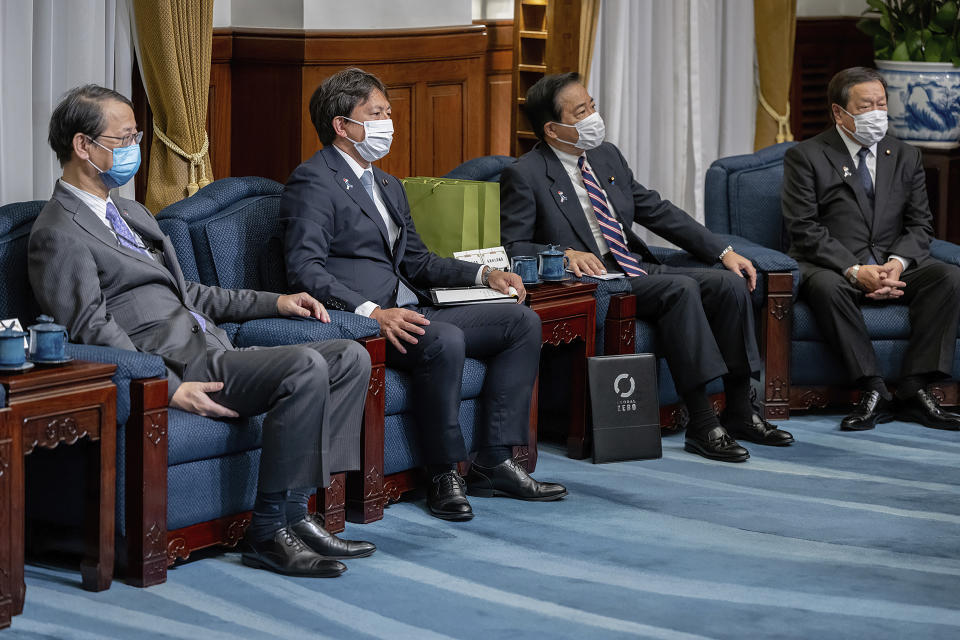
{"type": "Point", "coordinates": [227, 235]}
{"type": "Point", "coordinates": [743, 197]}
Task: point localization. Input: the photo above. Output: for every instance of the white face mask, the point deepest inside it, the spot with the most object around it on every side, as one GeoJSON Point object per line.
{"type": "Point", "coordinates": [590, 130]}
{"type": "Point", "coordinates": [869, 127]}
{"type": "Point", "coordinates": [378, 135]}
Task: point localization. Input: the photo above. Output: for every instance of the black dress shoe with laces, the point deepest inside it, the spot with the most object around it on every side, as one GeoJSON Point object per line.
{"type": "Point", "coordinates": [757, 430]}
{"type": "Point", "coordinates": [511, 480]}
{"type": "Point", "coordinates": [867, 413]}
{"type": "Point", "coordinates": [286, 553]}
{"type": "Point", "coordinates": [446, 498]}
{"type": "Point", "coordinates": [923, 408]}
{"type": "Point", "coordinates": [715, 444]}
{"type": "Point", "coordinates": [311, 531]}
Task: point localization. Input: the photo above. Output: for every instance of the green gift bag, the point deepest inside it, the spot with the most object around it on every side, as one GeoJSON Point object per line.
{"type": "Point", "coordinates": [454, 215]}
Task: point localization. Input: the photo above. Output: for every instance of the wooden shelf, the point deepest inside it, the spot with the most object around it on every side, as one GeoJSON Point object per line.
{"type": "Point", "coordinates": [534, 35]}
{"type": "Point", "coordinates": [527, 135]}
{"type": "Point", "coordinates": [535, 68]}
{"type": "Point", "coordinates": [535, 3]}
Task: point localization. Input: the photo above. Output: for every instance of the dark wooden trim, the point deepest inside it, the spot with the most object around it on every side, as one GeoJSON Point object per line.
{"type": "Point", "coordinates": [333, 501]}
{"type": "Point", "coordinates": [776, 321]}
{"type": "Point", "coordinates": [620, 328]}
{"type": "Point", "coordinates": [227, 531]}
{"type": "Point", "coordinates": [146, 486]}
{"type": "Point", "coordinates": [365, 487]}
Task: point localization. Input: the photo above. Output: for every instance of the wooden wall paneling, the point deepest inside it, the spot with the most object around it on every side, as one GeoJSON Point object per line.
{"type": "Point", "coordinates": [219, 107]}
{"type": "Point", "coordinates": [823, 47]}
{"type": "Point", "coordinates": [441, 129]}
{"type": "Point", "coordinates": [499, 86]}
{"type": "Point", "coordinates": [399, 162]}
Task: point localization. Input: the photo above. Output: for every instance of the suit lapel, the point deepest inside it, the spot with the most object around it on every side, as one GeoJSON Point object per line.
{"type": "Point", "coordinates": [89, 222]}
{"type": "Point", "coordinates": [348, 181]}
{"type": "Point", "coordinates": [838, 155]}
{"type": "Point", "coordinates": [604, 173]}
{"type": "Point", "coordinates": [565, 197]}
{"type": "Point", "coordinates": [393, 208]}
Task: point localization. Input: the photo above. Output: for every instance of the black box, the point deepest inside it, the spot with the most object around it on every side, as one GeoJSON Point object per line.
{"type": "Point", "coordinates": [626, 413]}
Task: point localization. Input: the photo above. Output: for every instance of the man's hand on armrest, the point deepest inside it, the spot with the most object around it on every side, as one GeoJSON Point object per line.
{"type": "Point", "coordinates": [303, 305]}
{"type": "Point", "coordinates": [192, 397]}
{"type": "Point", "coordinates": [740, 266]}
{"type": "Point", "coordinates": [584, 262]}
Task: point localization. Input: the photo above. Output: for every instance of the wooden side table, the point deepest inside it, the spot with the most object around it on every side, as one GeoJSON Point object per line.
{"type": "Point", "coordinates": [48, 406]}
{"type": "Point", "coordinates": [568, 311]}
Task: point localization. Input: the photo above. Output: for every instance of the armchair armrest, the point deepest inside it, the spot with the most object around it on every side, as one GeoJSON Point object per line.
{"type": "Point", "coordinates": [272, 332]}
{"type": "Point", "coordinates": [945, 251]}
{"type": "Point", "coordinates": [131, 365]}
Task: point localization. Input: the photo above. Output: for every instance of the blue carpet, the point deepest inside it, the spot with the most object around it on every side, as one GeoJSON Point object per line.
{"type": "Point", "coordinates": [843, 535]}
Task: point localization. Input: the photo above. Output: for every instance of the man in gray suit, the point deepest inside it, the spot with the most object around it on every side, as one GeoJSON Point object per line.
{"type": "Point", "coordinates": [102, 266]}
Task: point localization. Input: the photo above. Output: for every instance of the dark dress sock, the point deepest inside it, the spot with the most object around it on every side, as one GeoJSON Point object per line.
{"type": "Point", "coordinates": [295, 507]}
{"type": "Point", "coordinates": [492, 456]}
{"type": "Point", "coordinates": [437, 469]}
{"type": "Point", "coordinates": [702, 416]}
{"type": "Point", "coordinates": [875, 383]}
{"type": "Point", "coordinates": [268, 515]}
{"type": "Point", "coordinates": [908, 387]}
{"type": "Point", "coordinates": [737, 391]}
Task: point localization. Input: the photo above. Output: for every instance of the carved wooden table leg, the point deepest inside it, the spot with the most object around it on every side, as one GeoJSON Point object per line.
{"type": "Point", "coordinates": [568, 311]}
{"type": "Point", "coordinates": [96, 568]}
{"type": "Point", "coordinates": [6, 523]}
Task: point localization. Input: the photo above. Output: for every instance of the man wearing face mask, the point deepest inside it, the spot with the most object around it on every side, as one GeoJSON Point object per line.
{"type": "Point", "coordinates": [855, 205]}
{"type": "Point", "coordinates": [350, 241]}
{"type": "Point", "coordinates": [576, 190]}
{"type": "Point", "coordinates": [101, 265]}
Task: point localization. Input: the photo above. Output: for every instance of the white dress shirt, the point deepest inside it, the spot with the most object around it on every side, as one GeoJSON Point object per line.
{"type": "Point", "coordinates": [393, 230]}
{"type": "Point", "coordinates": [569, 162]}
{"type": "Point", "coordinates": [853, 147]}
{"type": "Point", "coordinates": [99, 207]}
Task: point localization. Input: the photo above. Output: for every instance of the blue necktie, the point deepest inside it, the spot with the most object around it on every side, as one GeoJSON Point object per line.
{"type": "Point", "coordinates": [125, 237]}
{"type": "Point", "coordinates": [405, 296]}
{"type": "Point", "coordinates": [864, 174]}
{"type": "Point", "coordinates": [609, 226]}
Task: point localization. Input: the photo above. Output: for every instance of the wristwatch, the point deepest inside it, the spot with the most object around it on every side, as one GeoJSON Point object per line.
{"type": "Point", "coordinates": [485, 276]}
{"type": "Point", "coordinates": [852, 275]}
{"type": "Point", "coordinates": [724, 253]}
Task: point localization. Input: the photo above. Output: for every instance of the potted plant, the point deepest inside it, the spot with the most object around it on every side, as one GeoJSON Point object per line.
{"type": "Point", "coordinates": [917, 48]}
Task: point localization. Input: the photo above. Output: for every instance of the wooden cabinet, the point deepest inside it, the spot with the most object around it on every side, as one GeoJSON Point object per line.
{"type": "Point", "coordinates": [546, 40]}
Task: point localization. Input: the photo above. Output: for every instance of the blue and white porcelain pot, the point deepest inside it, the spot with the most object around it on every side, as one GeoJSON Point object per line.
{"type": "Point", "coordinates": [923, 102]}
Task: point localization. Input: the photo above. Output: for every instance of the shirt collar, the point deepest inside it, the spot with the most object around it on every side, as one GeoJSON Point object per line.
{"type": "Point", "coordinates": [853, 147]}
{"type": "Point", "coordinates": [97, 204]}
{"type": "Point", "coordinates": [568, 160]}
{"type": "Point", "coordinates": [353, 164]}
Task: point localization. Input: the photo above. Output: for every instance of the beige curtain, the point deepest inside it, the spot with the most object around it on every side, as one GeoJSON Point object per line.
{"type": "Point", "coordinates": [774, 23]}
{"type": "Point", "coordinates": [173, 47]}
{"type": "Point", "coordinates": [589, 16]}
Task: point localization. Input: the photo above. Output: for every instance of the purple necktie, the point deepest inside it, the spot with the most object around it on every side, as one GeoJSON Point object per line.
{"type": "Point", "coordinates": [125, 237]}
{"type": "Point", "coordinates": [609, 226]}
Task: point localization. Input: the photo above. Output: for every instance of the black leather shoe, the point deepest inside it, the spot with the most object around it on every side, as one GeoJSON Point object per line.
{"type": "Point", "coordinates": [924, 409]}
{"type": "Point", "coordinates": [715, 444]}
{"type": "Point", "coordinates": [287, 554]}
{"type": "Point", "coordinates": [446, 498]}
{"type": "Point", "coordinates": [871, 410]}
{"type": "Point", "coordinates": [511, 480]}
{"type": "Point", "coordinates": [311, 531]}
{"type": "Point", "coordinates": [758, 431]}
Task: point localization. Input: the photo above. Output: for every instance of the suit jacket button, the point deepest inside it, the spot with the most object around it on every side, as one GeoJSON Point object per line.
{"type": "Point", "coordinates": [195, 329]}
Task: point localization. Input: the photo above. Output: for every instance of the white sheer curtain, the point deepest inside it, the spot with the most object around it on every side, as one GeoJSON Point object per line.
{"type": "Point", "coordinates": [674, 82]}
{"type": "Point", "coordinates": [46, 48]}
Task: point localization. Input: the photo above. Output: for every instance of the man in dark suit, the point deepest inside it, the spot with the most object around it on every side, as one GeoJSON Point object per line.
{"type": "Point", "coordinates": [575, 190]}
{"type": "Point", "coordinates": [101, 265]}
{"type": "Point", "coordinates": [350, 241]}
{"type": "Point", "coordinates": [855, 204]}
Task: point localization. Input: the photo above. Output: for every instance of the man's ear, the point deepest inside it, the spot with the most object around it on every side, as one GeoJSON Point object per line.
{"type": "Point", "coordinates": [338, 127]}
{"type": "Point", "coordinates": [80, 142]}
{"type": "Point", "coordinates": [549, 130]}
{"type": "Point", "coordinates": [837, 113]}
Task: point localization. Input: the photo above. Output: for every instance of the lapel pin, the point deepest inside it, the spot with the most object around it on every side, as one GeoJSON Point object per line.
{"type": "Point", "coordinates": [563, 198]}
{"type": "Point", "coordinates": [846, 172]}
{"type": "Point", "coordinates": [611, 179]}
{"type": "Point", "coordinates": [346, 184]}
{"type": "Point", "coordinates": [383, 182]}
{"type": "Point", "coordinates": [887, 152]}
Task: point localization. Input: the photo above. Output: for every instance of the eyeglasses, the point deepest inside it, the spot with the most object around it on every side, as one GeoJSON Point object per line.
{"type": "Point", "coordinates": [127, 140]}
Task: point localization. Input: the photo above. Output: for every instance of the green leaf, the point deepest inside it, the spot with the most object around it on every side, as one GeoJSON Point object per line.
{"type": "Point", "coordinates": [946, 16]}
{"type": "Point", "coordinates": [901, 54]}
{"type": "Point", "coordinates": [876, 5]}
{"type": "Point", "coordinates": [871, 27]}
{"type": "Point", "coordinates": [912, 39]}
{"type": "Point", "coordinates": [955, 60]}
{"type": "Point", "coordinates": [949, 49]}
{"type": "Point", "coordinates": [933, 50]}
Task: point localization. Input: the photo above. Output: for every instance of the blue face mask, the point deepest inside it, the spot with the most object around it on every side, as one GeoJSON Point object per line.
{"type": "Point", "coordinates": [126, 161]}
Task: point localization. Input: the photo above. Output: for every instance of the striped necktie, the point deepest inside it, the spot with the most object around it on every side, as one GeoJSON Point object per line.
{"type": "Point", "coordinates": [609, 226]}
